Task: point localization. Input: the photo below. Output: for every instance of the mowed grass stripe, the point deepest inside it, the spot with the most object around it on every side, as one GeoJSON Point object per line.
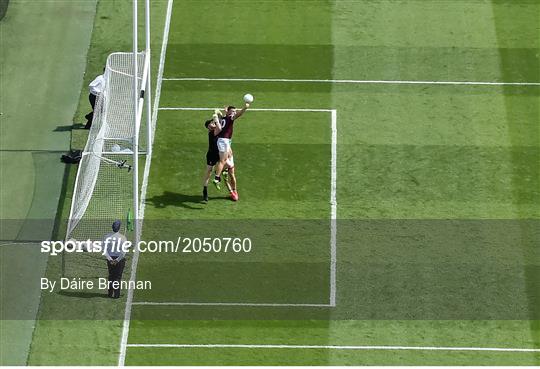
{"type": "Point", "coordinates": [235, 330]}
{"type": "Point", "coordinates": [439, 173]}
{"type": "Point", "coordinates": [267, 96]}
{"type": "Point", "coordinates": [314, 85]}
{"type": "Point", "coordinates": [250, 60]}
{"type": "Point", "coordinates": [238, 282]}
{"type": "Point", "coordinates": [437, 116]}
{"type": "Point", "coordinates": [454, 24]}
{"type": "Point", "coordinates": [255, 127]}
{"type": "Point", "coordinates": [321, 356]}
{"type": "Point", "coordinates": [280, 22]}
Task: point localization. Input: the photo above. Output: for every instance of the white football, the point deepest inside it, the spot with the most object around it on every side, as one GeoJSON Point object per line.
{"type": "Point", "coordinates": [115, 148]}
{"type": "Point", "coordinates": [248, 98]}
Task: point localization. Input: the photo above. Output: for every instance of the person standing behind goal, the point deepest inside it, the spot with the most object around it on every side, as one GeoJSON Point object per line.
{"type": "Point", "coordinates": [116, 258]}
{"type": "Point", "coordinates": [95, 88]}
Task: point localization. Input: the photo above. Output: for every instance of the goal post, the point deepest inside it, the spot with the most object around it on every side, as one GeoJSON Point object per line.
{"type": "Point", "coordinates": [106, 185]}
{"type": "Point", "coordinates": [107, 182]}
{"type": "Point", "coordinates": [135, 138]}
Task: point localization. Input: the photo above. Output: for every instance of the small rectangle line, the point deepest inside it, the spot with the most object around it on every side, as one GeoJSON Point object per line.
{"type": "Point", "coordinates": [335, 347]}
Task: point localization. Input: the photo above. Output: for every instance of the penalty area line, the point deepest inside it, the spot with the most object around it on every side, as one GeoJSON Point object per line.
{"type": "Point", "coordinates": [248, 304]}
{"type": "Point", "coordinates": [334, 347]}
{"type": "Point", "coordinates": [333, 206]}
{"type": "Point", "coordinates": [302, 110]}
{"type": "Point", "coordinates": [358, 81]}
{"type": "Point", "coordinates": [333, 210]}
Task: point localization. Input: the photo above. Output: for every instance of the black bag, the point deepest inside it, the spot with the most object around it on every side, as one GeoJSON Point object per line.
{"type": "Point", "coordinates": [73, 157]}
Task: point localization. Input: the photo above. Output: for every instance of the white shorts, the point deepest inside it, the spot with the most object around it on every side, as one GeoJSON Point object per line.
{"type": "Point", "coordinates": [224, 144]}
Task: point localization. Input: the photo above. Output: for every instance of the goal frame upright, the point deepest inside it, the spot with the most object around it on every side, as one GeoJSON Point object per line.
{"type": "Point", "coordinates": [141, 91]}
{"type": "Point", "coordinates": [140, 97]}
{"type": "Point", "coordinates": [135, 144]}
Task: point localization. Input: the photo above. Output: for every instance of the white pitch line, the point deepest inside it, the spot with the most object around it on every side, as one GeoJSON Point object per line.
{"type": "Point", "coordinates": [332, 347]}
{"type": "Point", "coordinates": [134, 263]}
{"type": "Point", "coordinates": [226, 304]}
{"type": "Point", "coordinates": [333, 211]}
{"type": "Point", "coordinates": [356, 81]}
{"type": "Point", "coordinates": [25, 243]}
{"type": "Point", "coordinates": [293, 110]}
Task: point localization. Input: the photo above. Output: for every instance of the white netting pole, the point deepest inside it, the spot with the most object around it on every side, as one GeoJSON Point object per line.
{"type": "Point", "coordinates": [148, 89]}
{"type": "Point", "coordinates": [136, 128]}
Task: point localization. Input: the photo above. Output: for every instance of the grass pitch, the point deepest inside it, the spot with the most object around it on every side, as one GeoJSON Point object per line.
{"type": "Point", "coordinates": [407, 156]}
{"type": "Point", "coordinates": [437, 187]}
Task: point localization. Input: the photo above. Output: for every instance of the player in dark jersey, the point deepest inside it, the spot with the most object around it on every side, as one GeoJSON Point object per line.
{"type": "Point", "coordinates": [225, 133]}
{"type": "Point", "coordinates": [212, 155]}
{"type": "Point", "coordinates": [212, 158]}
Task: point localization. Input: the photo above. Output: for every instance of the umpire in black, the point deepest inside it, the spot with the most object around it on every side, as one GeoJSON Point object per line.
{"type": "Point", "coordinates": [95, 88]}
{"type": "Point", "coordinates": [116, 258]}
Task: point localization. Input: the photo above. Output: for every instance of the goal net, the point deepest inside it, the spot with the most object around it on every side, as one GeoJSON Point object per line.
{"type": "Point", "coordinates": [104, 183]}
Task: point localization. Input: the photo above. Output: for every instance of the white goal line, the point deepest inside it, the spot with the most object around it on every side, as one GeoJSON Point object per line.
{"type": "Point", "coordinates": [334, 347]}
{"type": "Point", "coordinates": [250, 304]}
{"type": "Point", "coordinates": [135, 260]}
{"type": "Point", "coordinates": [301, 110]}
{"type": "Point", "coordinates": [357, 81]}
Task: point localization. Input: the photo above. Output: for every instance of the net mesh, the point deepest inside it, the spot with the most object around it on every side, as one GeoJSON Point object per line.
{"type": "Point", "coordinates": [104, 188]}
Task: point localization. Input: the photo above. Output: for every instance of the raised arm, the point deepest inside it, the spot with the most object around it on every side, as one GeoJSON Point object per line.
{"type": "Point", "coordinates": [217, 128]}
{"type": "Point", "coordinates": [241, 111]}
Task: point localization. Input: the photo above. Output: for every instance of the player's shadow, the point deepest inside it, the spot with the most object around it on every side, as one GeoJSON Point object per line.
{"type": "Point", "coordinates": [64, 128]}
{"type": "Point", "coordinates": [69, 127]}
{"type": "Point", "coordinates": [193, 202]}
{"type": "Point", "coordinates": [85, 295]}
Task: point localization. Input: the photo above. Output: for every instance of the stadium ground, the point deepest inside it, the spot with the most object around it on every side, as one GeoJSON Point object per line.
{"type": "Point", "coordinates": [437, 190]}
{"type": "Point", "coordinates": [42, 62]}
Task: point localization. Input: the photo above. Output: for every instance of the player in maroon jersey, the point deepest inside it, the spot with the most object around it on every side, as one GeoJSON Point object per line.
{"type": "Point", "coordinates": [224, 142]}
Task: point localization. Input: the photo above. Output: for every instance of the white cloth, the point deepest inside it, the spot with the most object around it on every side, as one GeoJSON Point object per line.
{"type": "Point", "coordinates": [113, 243]}
{"type": "Point", "coordinates": [97, 85]}
{"type": "Point", "coordinates": [224, 144]}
